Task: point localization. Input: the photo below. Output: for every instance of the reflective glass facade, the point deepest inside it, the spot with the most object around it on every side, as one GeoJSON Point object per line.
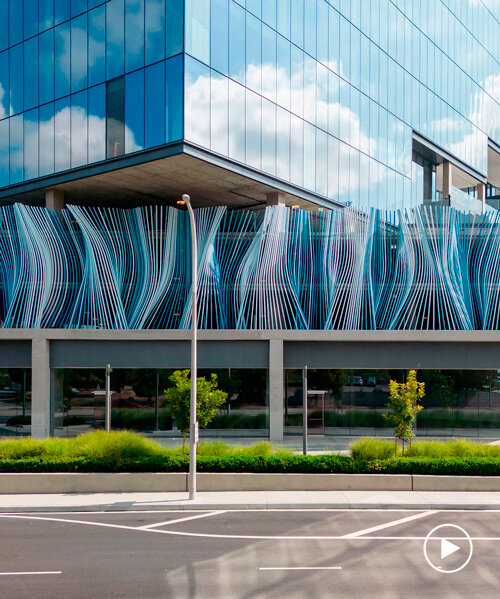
{"type": "Point", "coordinates": [321, 94]}
{"type": "Point", "coordinates": [325, 94]}
{"type": "Point", "coordinates": [86, 80]}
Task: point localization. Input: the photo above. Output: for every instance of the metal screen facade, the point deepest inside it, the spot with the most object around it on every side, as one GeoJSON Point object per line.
{"type": "Point", "coordinates": [428, 268]}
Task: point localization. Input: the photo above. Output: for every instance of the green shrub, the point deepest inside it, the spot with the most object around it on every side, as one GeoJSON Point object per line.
{"type": "Point", "coordinates": [372, 449]}
{"type": "Point", "coordinates": [292, 464]}
{"type": "Point", "coordinates": [378, 449]}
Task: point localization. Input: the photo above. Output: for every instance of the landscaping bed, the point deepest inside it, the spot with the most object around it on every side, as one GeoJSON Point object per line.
{"type": "Point", "coordinates": [126, 452]}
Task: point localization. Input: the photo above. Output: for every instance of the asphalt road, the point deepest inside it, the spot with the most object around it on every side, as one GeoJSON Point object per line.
{"type": "Point", "coordinates": [246, 554]}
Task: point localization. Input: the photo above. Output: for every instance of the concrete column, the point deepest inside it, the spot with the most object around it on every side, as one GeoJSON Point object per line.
{"type": "Point", "coordinates": [447, 179]}
{"type": "Point", "coordinates": [40, 388]}
{"type": "Point", "coordinates": [481, 194]}
{"type": "Point", "coordinates": [54, 199]}
{"type": "Point", "coordinates": [428, 183]}
{"type": "Point", "coordinates": [276, 390]}
{"type": "Point", "coordinates": [275, 198]}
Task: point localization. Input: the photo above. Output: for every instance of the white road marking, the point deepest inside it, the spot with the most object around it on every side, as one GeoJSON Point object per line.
{"type": "Point", "coordinates": [178, 520]}
{"type": "Point", "coordinates": [249, 537]}
{"type": "Point", "coordinates": [27, 573]}
{"type": "Point", "coordinates": [367, 531]}
{"type": "Point", "coordinates": [304, 568]}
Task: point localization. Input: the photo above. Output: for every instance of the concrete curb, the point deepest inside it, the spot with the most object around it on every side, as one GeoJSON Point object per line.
{"type": "Point", "coordinates": [148, 482]}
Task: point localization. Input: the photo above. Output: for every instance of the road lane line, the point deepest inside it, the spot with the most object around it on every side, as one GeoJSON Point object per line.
{"type": "Point", "coordinates": [27, 573]}
{"type": "Point", "coordinates": [366, 531]}
{"type": "Point", "coordinates": [304, 568]}
{"type": "Point", "coordinates": [178, 520]}
{"type": "Point", "coordinates": [237, 537]}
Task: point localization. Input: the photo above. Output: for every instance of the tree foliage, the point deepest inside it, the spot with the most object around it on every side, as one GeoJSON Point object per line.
{"type": "Point", "coordinates": [208, 399]}
{"type": "Point", "coordinates": [404, 401]}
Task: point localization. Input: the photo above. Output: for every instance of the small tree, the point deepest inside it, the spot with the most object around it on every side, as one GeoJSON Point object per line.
{"type": "Point", "coordinates": [208, 400]}
{"type": "Point", "coordinates": [404, 401]}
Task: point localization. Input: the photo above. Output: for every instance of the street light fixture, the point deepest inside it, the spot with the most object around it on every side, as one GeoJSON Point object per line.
{"type": "Point", "coordinates": [193, 423]}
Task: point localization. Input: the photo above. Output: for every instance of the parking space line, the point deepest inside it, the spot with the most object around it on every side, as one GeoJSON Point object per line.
{"type": "Point", "coordinates": [303, 568]}
{"type": "Point", "coordinates": [178, 520]}
{"type": "Point", "coordinates": [27, 573]}
{"type": "Point", "coordinates": [366, 531]}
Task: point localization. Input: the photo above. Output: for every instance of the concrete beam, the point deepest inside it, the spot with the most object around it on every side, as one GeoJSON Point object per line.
{"type": "Point", "coordinates": [40, 389]}
{"type": "Point", "coordinates": [276, 390]}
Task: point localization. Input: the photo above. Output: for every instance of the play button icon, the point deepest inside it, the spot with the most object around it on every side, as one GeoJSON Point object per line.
{"type": "Point", "coordinates": [448, 548]}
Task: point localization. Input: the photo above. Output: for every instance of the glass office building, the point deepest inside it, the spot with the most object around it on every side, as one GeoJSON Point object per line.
{"type": "Point", "coordinates": [353, 102]}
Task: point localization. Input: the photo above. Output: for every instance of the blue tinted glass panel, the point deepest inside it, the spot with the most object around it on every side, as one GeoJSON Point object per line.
{"type": "Point", "coordinates": [254, 54]}
{"type": "Point", "coordinates": [62, 64]}
{"type": "Point", "coordinates": [97, 123]}
{"type": "Point", "coordinates": [269, 74]}
{"type": "Point", "coordinates": [174, 27]}
{"type": "Point", "coordinates": [219, 105]}
{"type": "Point", "coordinates": [46, 66]}
{"type": "Point", "coordinates": [79, 53]}
{"type": "Point", "coordinates": [197, 103]}
{"type": "Point", "coordinates": [97, 48]}
{"type": "Point", "coordinates": [46, 14]}
{"type": "Point", "coordinates": [219, 35]}
{"type": "Point", "coordinates": [297, 150]}
{"type": "Point", "coordinates": [79, 129]}
{"type": "Point", "coordinates": [253, 126]}
{"type": "Point", "coordinates": [198, 29]}
{"type": "Point", "coordinates": [16, 79]}
{"type": "Point", "coordinates": [236, 121]}
{"type": "Point", "coordinates": [62, 128]}
{"type": "Point", "coordinates": [31, 144]}
{"type": "Point", "coordinates": [155, 105]}
{"type": "Point", "coordinates": [4, 25]}
{"type": "Point", "coordinates": [78, 6]}
{"type": "Point", "coordinates": [31, 73]}
{"type": "Point", "coordinates": [30, 17]}
{"type": "Point", "coordinates": [174, 98]}
{"type": "Point", "coordinates": [134, 112]}
{"type": "Point", "coordinates": [297, 23]}
{"type": "Point", "coordinates": [15, 22]}
{"type": "Point", "coordinates": [268, 137]}
{"type": "Point", "coordinates": [4, 152]}
{"type": "Point", "coordinates": [255, 7]}
{"type": "Point", "coordinates": [61, 11]}
{"type": "Point", "coordinates": [310, 34]}
{"type": "Point", "coordinates": [134, 34]}
{"type": "Point", "coordinates": [115, 42]}
{"type": "Point", "coordinates": [154, 30]}
{"type": "Point", "coordinates": [236, 42]}
{"type": "Point", "coordinates": [283, 17]}
{"type": "Point", "coordinates": [4, 84]}
{"type": "Point", "coordinates": [16, 148]}
{"type": "Point", "coordinates": [282, 144]}
{"type": "Point", "coordinates": [46, 120]}
{"type": "Point", "coordinates": [269, 12]}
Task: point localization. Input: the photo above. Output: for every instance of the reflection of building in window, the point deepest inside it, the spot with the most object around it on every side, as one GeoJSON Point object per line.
{"type": "Point", "coordinates": [115, 117]}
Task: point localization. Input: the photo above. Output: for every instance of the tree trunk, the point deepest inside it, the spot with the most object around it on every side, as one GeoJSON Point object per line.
{"type": "Point", "coordinates": [183, 442]}
{"type": "Point", "coordinates": [403, 448]}
{"type": "Point", "coordinates": [410, 449]}
{"type": "Point", "coordinates": [395, 447]}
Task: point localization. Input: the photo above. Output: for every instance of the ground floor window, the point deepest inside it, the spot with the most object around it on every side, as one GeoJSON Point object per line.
{"type": "Point", "coordinates": [352, 402]}
{"type": "Point", "coordinates": [15, 402]}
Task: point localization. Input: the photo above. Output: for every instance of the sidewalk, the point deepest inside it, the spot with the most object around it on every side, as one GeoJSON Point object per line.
{"type": "Point", "coordinates": [241, 500]}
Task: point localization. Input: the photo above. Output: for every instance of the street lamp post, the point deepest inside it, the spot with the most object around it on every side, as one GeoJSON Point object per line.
{"type": "Point", "coordinates": [193, 423]}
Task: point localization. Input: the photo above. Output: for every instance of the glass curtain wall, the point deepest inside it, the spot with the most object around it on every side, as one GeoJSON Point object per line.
{"type": "Point", "coordinates": [60, 70]}
{"type": "Point", "coordinates": [457, 403]}
{"type": "Point", "coordinates": [325, 94]}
